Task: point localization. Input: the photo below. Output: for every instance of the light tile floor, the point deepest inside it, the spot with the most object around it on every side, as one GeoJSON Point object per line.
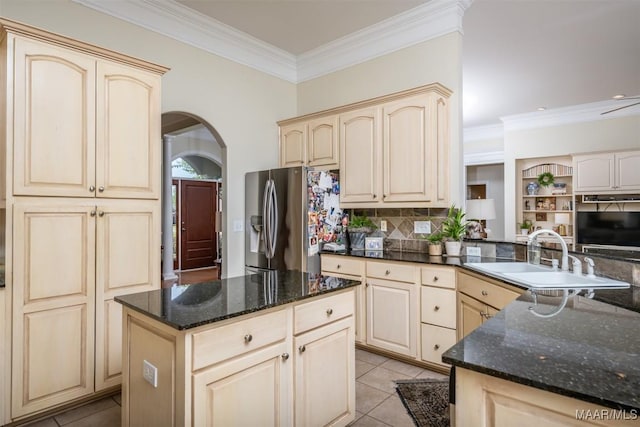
{"type": "Point", "coordinates": [377, 403]}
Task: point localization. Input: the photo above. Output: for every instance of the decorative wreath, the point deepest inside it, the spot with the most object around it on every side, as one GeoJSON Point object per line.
{"type": "Point", "coordinates": [545, 179]}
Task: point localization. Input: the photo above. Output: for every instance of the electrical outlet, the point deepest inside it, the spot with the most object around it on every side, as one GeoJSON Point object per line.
{"type": "Point", "coordinates": [422, 227]}
{"type": "Point", "coordinates": [150, 373]}
{"type": "Point", "coordinates": [383, 225]}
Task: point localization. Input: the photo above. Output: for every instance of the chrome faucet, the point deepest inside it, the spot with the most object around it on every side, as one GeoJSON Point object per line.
{"type": "Point", "coordinates": [565, 250]}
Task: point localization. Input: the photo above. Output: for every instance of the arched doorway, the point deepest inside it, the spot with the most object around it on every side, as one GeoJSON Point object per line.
{"type": "Point", "coordinates": [193, 200]}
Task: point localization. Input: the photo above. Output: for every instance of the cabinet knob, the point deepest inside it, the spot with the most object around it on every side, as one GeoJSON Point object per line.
{"type": "Point", "coordinates": [285, 356]}
{"type": "Point", "coordinates": [101, 189]}
{"type": "Point", "coordinates": [436, 347]}
{"type": "Point", "coordinates": [92, 188]}
{"type": "Point", "coordinates": [367, 284]}
{"type": "Point", "coordinates": [338, 267]}
{"type": "Point", "coordinates": [485, 293]}
{"type": "Point", "coordinates": [101, 213]}
{"type": "Point", "coordinates": [302, 349]}
{"type": "Point", "coordinates": [93, 213]}
{"type": "Point", "coordinates": [435, 278]}
{"type": "Point", "coordinates": [387, 273]}
{"type": "Point", "coordinates": [248, 338]}
{"type": "Point", "coordinates": [436, 308]}
{"type": "Point", "coordinates": [374, 196]}
{"type": "Point", "coordinates": [329, 311]}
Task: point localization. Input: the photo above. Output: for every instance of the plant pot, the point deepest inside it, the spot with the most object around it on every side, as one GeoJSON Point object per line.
{"type": "Point", "coordinates": [524, 231]}
{"type": "Point", "coordinates": [453, 248]}
{"type": "Point", "coordinates": [435, 249]}
{"type": "Point", "coordinates": [357, 239]}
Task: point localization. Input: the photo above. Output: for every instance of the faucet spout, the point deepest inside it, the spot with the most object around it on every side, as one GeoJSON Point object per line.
{"type": "Point", "coordinates": [565, 250]}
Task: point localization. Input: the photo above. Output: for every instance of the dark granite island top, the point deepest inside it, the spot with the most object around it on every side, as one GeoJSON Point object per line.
{"type": "Point", "coordinates": [188, 306]}
{"type": "Point", "coordinates": [589, 351]}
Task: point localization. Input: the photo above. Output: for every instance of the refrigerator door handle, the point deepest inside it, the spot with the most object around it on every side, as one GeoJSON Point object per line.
{"type": "Point", "coordinates": [265, 218]}
{"type": "Point", "coordinates": [274, 219]}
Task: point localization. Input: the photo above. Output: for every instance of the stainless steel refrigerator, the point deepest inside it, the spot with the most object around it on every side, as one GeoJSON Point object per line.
{"type": "Point", "coordinates": [290, 213]}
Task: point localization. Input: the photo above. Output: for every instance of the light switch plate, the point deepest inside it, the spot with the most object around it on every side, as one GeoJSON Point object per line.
{"type": "Point", "coordinates": [238, 225]}
{"type": "Point", "coordinates": [383, 225]}
{"type": "Point", "coordinates": [422, 227]}
{"type": "Point", "coordinates": [150, 373]}
{"type": "Point", "coordinates": [473, 251]}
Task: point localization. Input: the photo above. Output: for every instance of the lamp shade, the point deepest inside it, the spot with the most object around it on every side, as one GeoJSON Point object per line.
{"type": "Point", "coordinates": [480, 209]}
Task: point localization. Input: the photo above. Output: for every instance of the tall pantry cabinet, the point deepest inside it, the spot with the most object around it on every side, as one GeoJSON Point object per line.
{"type": "Point", "coordinates": [81, 136]}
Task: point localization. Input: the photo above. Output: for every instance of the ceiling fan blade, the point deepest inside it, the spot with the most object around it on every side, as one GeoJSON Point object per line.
{"type": "Point", "coordinates": [620, 108]}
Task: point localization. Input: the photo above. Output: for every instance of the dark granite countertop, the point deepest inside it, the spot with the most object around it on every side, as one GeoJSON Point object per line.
{"type": "Point", "coordinates": [189, 306]}
{"type": "Point", "coordinates": [589, 351]}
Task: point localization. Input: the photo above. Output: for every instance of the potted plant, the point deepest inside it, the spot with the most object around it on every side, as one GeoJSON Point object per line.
{"type": "Point", "coordinates": [525, 226]}
{"type": "Point", "coordinates": [454, 229]}
{"type": "Point", "coordinates": [435, 243]}
{"type": "Point", "coordinates": [359, 228]}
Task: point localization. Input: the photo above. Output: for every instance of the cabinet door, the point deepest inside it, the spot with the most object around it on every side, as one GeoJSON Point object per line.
{"type": "Point", "coordinates": [53, 304]}
{"type": "Point", "coordinates": [54, 121]}
{"type": "Point", "coordinates": [325, 372]}
{"type": "Point", "coordinates": [627, 171]}
{"type": "Point", "coordinates": [293, 145]}
{"type": "Point", "coordinates": [360, 156]}
{"type": "Point", "coordinates": [392, 316]}
{"type": "Point", "coordinates": [250, 390]}
{"type": "Point", "coordinates": [594, 172]}
{"type": "Point", "coordinates": [409, 151]}
{"type": "Point", "coordinates": [471, 314]}
{"type": "Point", "coordinates": [322, 146]}
{"type": "Point", "coordinates": [127, 261]}
{"type": "Point", "coordinates": [128, 140]}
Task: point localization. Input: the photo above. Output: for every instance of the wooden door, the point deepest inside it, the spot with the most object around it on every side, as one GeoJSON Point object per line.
{"type": "Point", "coordinates": [322, 147]}
{"type": "Point", "coordinates": [127, 261]}
{"type": "Point", "coordinates": [360, 156]}
{"type": "Point", "coordinates": [128, 140]}
{"type": "Point", "coordinates": [594, 172]}
{"type": "Point", "coordinates": [628, 171]}
{"type": "Point", "coordinates": [53, 304]}
{"type": "Point", "coordinates": [249, 390]}
{"type": "Point", "coordinates": [293, 145]}
{"type": "Point", "coordinates": [54, 121]}
{"type": "Point", "coordinates": [392, 316]}
{"type": "Point", "coordinates": [197, 221]}
{"type": "Point", "coordinates": [325, 372]}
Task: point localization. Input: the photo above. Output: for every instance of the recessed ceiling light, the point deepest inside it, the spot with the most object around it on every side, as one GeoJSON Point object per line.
{"type": "Point", "coordinates": [542, 108]}
{"type": "Point", "coordinates": [619, 96]}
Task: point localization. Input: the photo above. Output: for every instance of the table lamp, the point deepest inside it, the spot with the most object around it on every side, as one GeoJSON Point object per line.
{"type": "Point", "coordinates": [478, 210]}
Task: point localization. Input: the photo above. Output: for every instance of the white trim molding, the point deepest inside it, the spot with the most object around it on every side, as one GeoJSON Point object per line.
{"type": "Point", "coordinates": [567, 115]}
{"type": "Point", "coordinates": [483, 158]}
{"type": "Point", "coordinates": [483, 133]}
{"type": "Point", "coordinates": [171, 19]}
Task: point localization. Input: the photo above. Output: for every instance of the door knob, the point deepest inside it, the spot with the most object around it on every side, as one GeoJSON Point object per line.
{"type": "Point", "coordinates": [183, 229]}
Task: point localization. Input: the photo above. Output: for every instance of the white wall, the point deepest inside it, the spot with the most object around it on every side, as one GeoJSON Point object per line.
{"type": "Point", "coordinates": [242, 104]}
{"type": "Point", "coordinates": [493, 177]}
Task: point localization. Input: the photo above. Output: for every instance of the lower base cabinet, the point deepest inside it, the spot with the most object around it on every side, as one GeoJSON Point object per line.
{"type": "Point", "coordinates": [435, 341]}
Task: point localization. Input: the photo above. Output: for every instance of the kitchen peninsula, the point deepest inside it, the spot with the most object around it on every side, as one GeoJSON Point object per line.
{"type": "Point", "coordinates": [251, 350]}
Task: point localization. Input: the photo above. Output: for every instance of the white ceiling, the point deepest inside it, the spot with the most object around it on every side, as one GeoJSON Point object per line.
{"type": "Point", "coordinates": [518, 55]}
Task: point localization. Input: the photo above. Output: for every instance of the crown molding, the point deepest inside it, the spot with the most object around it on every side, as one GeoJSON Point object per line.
{"type": "Point", "coordinates": [433, 19]}
{"type": "Point", "coordinates": [171, 19]}
{"type": "Point", "coordinates": [483, 158]}
{"type": "Point", "coordinates": [483, 133]}
{"type": "Point", "coordinates": [178, 22]}
{"type": "Point", "coordinates": [567, 115]}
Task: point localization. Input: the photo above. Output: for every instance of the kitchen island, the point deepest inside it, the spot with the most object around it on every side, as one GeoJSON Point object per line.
{"type": "Point", "coordinates": [253, 350]}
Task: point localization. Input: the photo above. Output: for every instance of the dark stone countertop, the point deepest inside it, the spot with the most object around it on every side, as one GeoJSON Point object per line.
{"type": "Point", "coordinates": [589, 351]}
{"type": "Point", "coordinates": [188, 306]}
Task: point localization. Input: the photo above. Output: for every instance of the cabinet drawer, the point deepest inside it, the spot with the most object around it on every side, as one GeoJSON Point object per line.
{"type": "Point", "coordinates": [320, 312]}
{"type": "Point", "coordinates": [439, 307]}
{"type": "Point", "coordinates": [435, 341]}
{"type": "Point", "coordinates": [215, 345]}
{"type": "Point", "coordinates": [493, 295]}
{"type": "Point", "coordinates": [341, 264]}
{"type": "Point", "coordinates": [438, 276]}
{"type": "Point", "coordinates": [387, 271]}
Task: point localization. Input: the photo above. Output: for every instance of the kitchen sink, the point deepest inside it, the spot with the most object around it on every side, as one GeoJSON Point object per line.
{"type": "Point", "coordinates": [506, 267]}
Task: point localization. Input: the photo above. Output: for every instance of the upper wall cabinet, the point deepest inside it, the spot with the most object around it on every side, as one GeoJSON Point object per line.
{"type": "Point", "coordinates": [607, 172]}
{"type": "Point", "coordinates": [89, 145]}
{"type": "Point", "coordinates": [310, 143]}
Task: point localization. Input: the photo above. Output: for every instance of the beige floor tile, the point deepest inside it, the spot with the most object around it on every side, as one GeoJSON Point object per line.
{"type": "Point", "coordinates": [374, 359]}
{"type": "Point", "coordinates": [47, 422]}
{"type": "Point", "coordinates": [403, 368]}
{"type": "Point", "coordinates": [367, 421]}
{"type": "Point", "coordinates": [358, 416]}
{"type": "Point", "coordinates": [86, 410]}
{"type": "Point", "coordinates": [108, 418]}
{"type": "Point", "coordinates": [392, 412]}
{"type": "Point", "coordinates": [368, 398]}
{"type": "Point", "coordinates": [382, 379]}
{"type": "Point", "coordinates": [430, 374]}
{"type": "Point", "coordinates": [363, 367]}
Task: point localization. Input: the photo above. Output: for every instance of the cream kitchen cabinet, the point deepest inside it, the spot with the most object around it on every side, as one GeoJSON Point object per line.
{"type": "Point", "coordinates": [72, 258]}
{"type": "Point", "coordinates": [392, 307]}
{"type": "Point", "coordinates": [83, 126]}
{"type": "Point", "coordinates": [437, 312]}
{"type": "Point", "coordinates": [312, 142]}
{"type": "Point", "coordinates": [604, 172]}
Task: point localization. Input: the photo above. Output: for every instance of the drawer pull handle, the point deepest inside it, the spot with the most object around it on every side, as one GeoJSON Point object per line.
{"type": "Point", "coordinates": [338, 266]}
{"type": "Point", "coordinates": [436, 308]}
{"type": "Point", "coordinates": [387, 272]}
{"type": "Point", "coordinates": [485, 293]}
{"type": "Point", "coordinates": [92, 188]}
{"type": "Point", "coordinates": [329, 311]}
{"type": "Point", "coordinates": [248, 338]}
{"type": "Point", "coordinates": [302, 349]}
{"type": "Point", "coordinates": [285, 356]}
{"type": "Point", "coordinates": [436, 347]}
{"type": "Point", "coordinates": [435, 278]}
